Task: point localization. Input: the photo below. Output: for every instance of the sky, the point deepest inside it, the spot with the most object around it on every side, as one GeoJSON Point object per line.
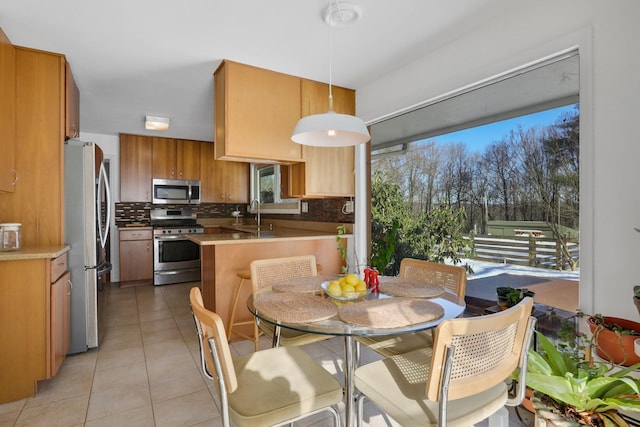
{"type": "Point", "coordinates": [479, 137]}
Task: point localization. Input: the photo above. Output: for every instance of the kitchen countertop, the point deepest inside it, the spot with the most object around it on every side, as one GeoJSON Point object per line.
{"type": "Point", "coordinates": [249, 234]}
{"type": "Point", "coordinates": [34, 252]}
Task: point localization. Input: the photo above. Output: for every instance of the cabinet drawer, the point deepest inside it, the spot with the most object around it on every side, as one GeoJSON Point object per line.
{"type": "Point", "coordinates": [58, 267]}
{"type": "Point", "coordinates": [136, 234]}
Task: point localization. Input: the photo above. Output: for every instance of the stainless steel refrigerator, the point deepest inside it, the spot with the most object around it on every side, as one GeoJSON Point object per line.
{"type": "Point", "coordinates": [87, 214]}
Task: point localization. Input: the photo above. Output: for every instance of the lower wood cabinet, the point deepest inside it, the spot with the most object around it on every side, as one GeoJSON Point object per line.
{"type": "Point", "coordinates": [35, 303]}
{"type": "Point", "coordinates": [136, 256]}
{"type": "Point", "coordinates": [60, 320]}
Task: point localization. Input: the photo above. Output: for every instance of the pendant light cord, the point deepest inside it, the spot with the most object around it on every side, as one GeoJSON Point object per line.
{"type": "Point", "coordinates": [330, 58]}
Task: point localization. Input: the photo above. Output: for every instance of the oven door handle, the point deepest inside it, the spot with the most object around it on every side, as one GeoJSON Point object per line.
{"type": "Point", "coordinates": [172, 237]}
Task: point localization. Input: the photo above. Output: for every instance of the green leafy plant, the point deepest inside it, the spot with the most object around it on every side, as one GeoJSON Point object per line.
{"type": "Point", "coordinates": [636, 291]}
{"type": "Point", "coordinates": [508, 296]}
{"type": "Point", "coordinates": [577, 389]}
{"type": "Point", "coordinates": [342, 230]}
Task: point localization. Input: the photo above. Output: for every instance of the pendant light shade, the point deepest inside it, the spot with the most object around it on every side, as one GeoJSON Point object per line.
{"type": "Point", "coordinates": [332, 129]}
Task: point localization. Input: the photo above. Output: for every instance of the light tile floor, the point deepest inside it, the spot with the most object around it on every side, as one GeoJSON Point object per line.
{"type": "Point", "coordinates": [145, 371]}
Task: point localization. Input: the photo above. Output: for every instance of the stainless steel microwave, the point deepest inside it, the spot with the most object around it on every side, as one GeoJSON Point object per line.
{"type": "Point", "coordinates": [176, 192]}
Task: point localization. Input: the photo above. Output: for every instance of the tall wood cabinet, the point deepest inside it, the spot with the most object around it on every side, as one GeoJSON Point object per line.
{"type": "Point", "coordinates": [136, 167]}
{"type": "Point", "coordinates": [223, 181]}
{"type": "Point", "coordinates": [255, 111]}
{"type": "Point", "coordinates": [7, 114]}
{"type": "Point", "coordinates": [37, 202]}
{"type": "Point", "coordinates": [325, 171]}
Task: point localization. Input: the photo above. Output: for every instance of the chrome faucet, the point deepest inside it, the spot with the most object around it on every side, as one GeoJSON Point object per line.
{"type": "Point", "coordinates": [257, 207]}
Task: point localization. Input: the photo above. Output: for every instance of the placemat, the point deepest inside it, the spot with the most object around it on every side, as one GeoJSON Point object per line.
{"type": "Point", "coordinates": [390, 312]}
{"type": "Point", "coordinates": [305, 284]}
{"type": "Point", "coordinates": [295, 307]}
{"type": "Point", "coordinates": [411, 288]}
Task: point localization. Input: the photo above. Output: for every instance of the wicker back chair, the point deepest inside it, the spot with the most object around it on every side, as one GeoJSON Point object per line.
{"type": "Point", "coordinates": [265, 388]}
{"type": "Point", "coordinates": [266, 272]}
{"type": "Point", "coordinates": [451, 277]}
{"type": "Point", "coordinates": [461, 379]}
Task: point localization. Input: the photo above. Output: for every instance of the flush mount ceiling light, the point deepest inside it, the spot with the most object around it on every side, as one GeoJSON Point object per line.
{"type": "Point", "coordinates": [332, 129]}
{"type": "Point", "coordinates": [156, 123]}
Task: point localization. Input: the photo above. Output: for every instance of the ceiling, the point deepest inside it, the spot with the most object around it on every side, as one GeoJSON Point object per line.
{"type": "Point", "coordinates": [142, 57]}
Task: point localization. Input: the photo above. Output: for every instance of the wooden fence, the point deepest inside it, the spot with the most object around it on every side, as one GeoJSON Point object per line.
{"type": "Point", "coordinates": [531, 251]}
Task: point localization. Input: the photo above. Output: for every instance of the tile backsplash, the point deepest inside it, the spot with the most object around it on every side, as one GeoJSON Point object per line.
{"type": "Point", "coordinates": [320, 210]}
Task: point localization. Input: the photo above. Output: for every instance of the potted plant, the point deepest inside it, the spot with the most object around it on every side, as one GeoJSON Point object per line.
{"type": "Point", "coordinates": [614, 338]}
{"type": "Point", "coordinates": [636, 297]}
{"type": "Point", "coordinates": [572, 390]}
{"type": "Point", "coordinates": [508, 296]}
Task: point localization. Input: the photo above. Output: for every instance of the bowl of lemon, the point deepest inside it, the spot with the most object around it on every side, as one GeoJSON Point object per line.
{"type": "Point", "coordinates": [346, 288]}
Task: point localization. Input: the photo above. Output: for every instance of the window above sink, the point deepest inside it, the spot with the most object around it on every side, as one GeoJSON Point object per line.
{"type": "Point", "coordinates": [266, 186]}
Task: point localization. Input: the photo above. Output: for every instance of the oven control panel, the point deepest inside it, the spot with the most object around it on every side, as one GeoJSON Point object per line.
{"type": "Point", "coordinates": [165, 231]}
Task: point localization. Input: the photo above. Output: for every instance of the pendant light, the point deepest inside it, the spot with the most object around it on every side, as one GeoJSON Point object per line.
{"type": "Point", "coordinates": [332, 129]}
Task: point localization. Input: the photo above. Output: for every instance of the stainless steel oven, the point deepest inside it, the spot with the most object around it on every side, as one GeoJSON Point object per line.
{"type": "Point", "coordinates": [176, 259]}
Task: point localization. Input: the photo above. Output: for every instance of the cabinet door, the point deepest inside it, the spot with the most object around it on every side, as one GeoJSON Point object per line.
{"type": "Point", "coordinates": [7, 114]}
{"type": "Point", "coordinates": [209, 187]}
{"type": "Point", "coordinates": [164, 158]}
{"type": "Point", "coordinates": [40, 131]}
{"type": "Point", "coordinates": [188, 159]}
{"type": "Point", "coordinates": [326, 171]}
{"type": "Point", "coordinates": [60, 320]}
{"type": "Point", "coordinates": [255, 112]}
{"type": "Point", "coordinates": [222, 181]}
{"type": "Point", "coordinates": [135, 168]}
{"type": "Point", "coordinates": [136, 260]}
{"type": "Point", "coordinates": [72, 105]}
{"type": "Point", "coordinates": [237, 181]}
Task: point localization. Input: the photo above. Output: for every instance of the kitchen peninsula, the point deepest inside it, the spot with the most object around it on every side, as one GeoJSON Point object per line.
{"type": "Point", "coordinates": [224, 255]}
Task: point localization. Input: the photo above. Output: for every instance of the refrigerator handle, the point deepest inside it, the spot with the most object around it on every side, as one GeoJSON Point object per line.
{"type": "Point", "coordinates": [103, 179]}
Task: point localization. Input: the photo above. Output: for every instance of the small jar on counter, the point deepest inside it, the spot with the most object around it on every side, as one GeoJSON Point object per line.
{"type": "Point", "coordinates": [10, 236]}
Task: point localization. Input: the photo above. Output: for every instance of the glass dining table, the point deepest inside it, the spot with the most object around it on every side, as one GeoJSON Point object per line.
{"type": "Point", "coordinates": [379, 314]}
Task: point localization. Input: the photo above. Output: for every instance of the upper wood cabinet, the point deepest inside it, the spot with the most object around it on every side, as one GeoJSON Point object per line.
{"type": "Point", "coordinates": [176, 158]}
{"type": "Point", "coordinates": [135, 168]}
{"type": "Point", "coordinates": [72, 105]}
{"type": "Point", "coordinates": [326, 171]}
{"type": "Point", "coordinates": [255, 111]}
{"type": "Point", "coordinates": [39, 160]}
{"type": "Point", "coordinates": [223, 181]}
{"type": "Point", "coordinates": [7, 114]}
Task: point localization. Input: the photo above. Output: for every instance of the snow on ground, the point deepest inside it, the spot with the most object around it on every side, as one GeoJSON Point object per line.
{"type": "Point", "coordinates": [489, 269]}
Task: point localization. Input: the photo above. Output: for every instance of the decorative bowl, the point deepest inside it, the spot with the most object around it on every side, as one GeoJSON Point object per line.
{"type": "Point", "coordinates": [345, 295]}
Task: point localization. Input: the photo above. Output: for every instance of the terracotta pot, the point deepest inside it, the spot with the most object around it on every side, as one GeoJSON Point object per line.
{"type": "Point", "coordinates": [615, 348]}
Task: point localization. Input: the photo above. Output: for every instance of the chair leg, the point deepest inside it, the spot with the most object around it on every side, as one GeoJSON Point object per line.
{"type": "Point", "coordinates": [500, 418]}
{"type": "Point", "coordinates": [232, 318]}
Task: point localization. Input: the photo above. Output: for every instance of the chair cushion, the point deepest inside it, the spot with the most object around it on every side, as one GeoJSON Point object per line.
{"type": "Point", "coordinates": [397, 386]}
{"type": "Point", "coordinates": [278, 384]}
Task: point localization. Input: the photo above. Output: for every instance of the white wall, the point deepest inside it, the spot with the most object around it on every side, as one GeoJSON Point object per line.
{"type": "Point", "coordinates": [606, 33]}
{"type": "Point", "coordinates": [110, 145]}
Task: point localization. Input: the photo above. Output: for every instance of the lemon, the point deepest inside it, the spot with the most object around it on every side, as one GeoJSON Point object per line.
{"type": "Point", "coordinates": [352, 279]}
{"type": "Point", "coordinates": [361, 288]}
{"type": "Point", "coordinates": [334, 288]}
{"type": "Point", "coordinates": [348, 290]}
